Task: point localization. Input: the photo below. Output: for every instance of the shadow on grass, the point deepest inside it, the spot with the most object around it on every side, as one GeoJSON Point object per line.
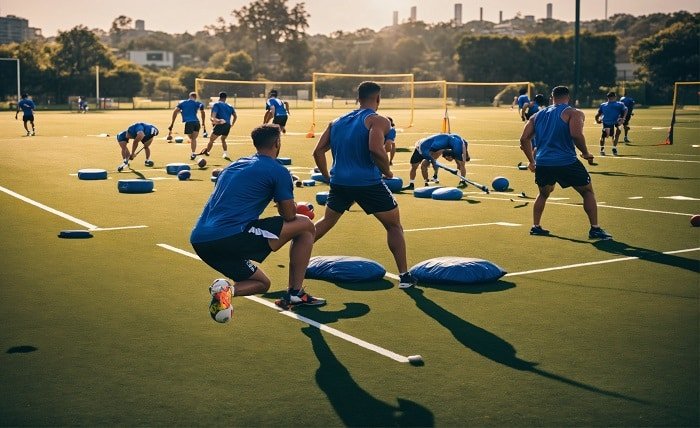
{"type": "Point", "coordinates": [22, 349]}
{"type": "Point", "coordinates": [493, 347]}
{"type": "Point", "coordinates": [620, 248]}
{"type": "Point", "coordinates": [486, 287]}
{"type": "Point", "coordinates": [354, 405]}
{"type": "Point", "coordinates": [625, 174]}
{"type": "Point", "coordinates": [380, 284]}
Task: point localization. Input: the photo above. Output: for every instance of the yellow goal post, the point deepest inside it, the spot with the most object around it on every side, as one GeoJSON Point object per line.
{"type": "Point", "coordinates": [686, 107]}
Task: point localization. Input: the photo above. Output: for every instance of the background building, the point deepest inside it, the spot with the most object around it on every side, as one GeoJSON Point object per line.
{"type": "Point", "coordinates": [156, 58]}
{"type": "Point", "coordinates": [16, 29]}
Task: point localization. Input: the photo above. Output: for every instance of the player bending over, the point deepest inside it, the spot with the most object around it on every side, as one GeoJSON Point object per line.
{"type": "Point", "coordinates": [141, 133]}
{"type": "Point", "coordinates": [189, 108]}
{"type": "Point", "coordinates": [229, 233]}
{"type": "Point", "coordinates": [277, 110]}
{"type": "Point", "coordinates": [629, 103]}
{"type": "Point", "coordinates": [27, 106]}
{"type": "Point", "coordinates": [451, 146]}
{"type": "Point", "coordinates": [221, 114]}
{"type": "Point", "coordinates": [613, 114]}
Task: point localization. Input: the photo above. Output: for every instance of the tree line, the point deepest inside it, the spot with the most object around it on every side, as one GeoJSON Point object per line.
{"type": "Point", "coordinates": [268, 39]}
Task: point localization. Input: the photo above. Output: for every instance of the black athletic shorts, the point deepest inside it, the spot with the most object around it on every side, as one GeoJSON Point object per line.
{"type": "Point", "coordinates": [280, 120]}
{"type": "Point", "coordinates": [627, 119]}
{"type": "Point", "coordinates": [191, 127]}
{"type": "Point", "coordinates": [416, 157]}
{"type": "Point", "coordinates": [222, 129]}
{"type": "Point", "coordinates": [568, 175]}
{"type": "Point", "coordinates": [29, 118]}
{"type": "Point", "coordinates": [372, 199]}
{"type": "Point", "coordinates": [611, 128]}
{"type": "Point", "coordinates": [232, 255]}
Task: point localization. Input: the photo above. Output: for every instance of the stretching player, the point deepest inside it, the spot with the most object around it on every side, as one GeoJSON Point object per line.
{"type": "Point", "coordinates": [229, 233]}
{"type": "Point", "coordinates": [277, 110]}
{"type": "Point", "coordinates": [221, 113]}
{"type": "Point", "coordinates": [629, 103]}
{"type": "Point", "coordinates": [188, 108]}
{"type": "Point", "coordinates": [356, 141]}
{"type": "Point", "coordinates": [27, 106]}
{"type": "Point", "coordinates": [613, 114]}
{"type": "Point", "coordinates": [559, 132]}
{"type": "Point", "coordinates": [450, 146]}
{"type": "Point", "coordinates": [139, 132]}
{"type": "Point", "coordinates": [534, 106]}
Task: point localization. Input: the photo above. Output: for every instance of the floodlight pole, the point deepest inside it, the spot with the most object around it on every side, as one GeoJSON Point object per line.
{"type": "Point", "coordinates": [577, 51]}
{"type": "Point", "coordinates": [18, 78]}
{"type": "Point", "coordinates": [97, 87]}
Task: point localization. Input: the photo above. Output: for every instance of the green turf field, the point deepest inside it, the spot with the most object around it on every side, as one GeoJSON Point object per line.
{"type": "Point", "coordinates": [114, 330]}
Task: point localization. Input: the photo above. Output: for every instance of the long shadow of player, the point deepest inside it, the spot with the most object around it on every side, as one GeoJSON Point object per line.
{"type": "Point", "coordinates": [627, 250]}
{"type": "Point", "coordinates": [354, 405]}
{"type": "Point", "coordinates": [493, 347]}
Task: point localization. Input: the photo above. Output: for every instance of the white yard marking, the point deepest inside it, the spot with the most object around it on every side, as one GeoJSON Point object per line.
{"type": "Point", "coordinates": [636, 197]}
{"type": "Point", "coordinates": [498, 223]}
{"type": "Point", "coordinates": [100, 229]}
{"type": "Point", "coordinates": [335, 332]}
{"type": "Point", "coordinates": [652, 159]}
{"type": "Point", "coordinates": [679, 198]}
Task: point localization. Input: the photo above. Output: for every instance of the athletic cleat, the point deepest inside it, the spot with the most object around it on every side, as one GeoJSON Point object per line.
{"type": "Point", "coordinates": [626, 140]}
{"type": "Point", "coordinates": [406, 280]}
{"type": "Point", "coordinates": [538, 231]}
{"type": "Point", "coordinates": [225, 155]}
{"type": "Point", "coordinates": [33, 133]}
{"type": "Point", "coordinates": [410, 186]}
{"type": "Point", "coordinates": [462, 184]}
{"type": "Point", "coordinates": [149, 163]}
{"type": "Point", "coordinates": [193, 156]}
{"type": "Point", "coordinates": [614, 151]}
{"type": "Point", "coordinates": [435, 179]}
{"type": "Point", "coordinates": [121, 167]}
{"type": "Point", "coordinates": [427, 183]}
{"type": "Point", "coordinates": [602, 152]}
{"type": "Point", "coordinates": [299, 298]}
{"type": "Point", "coordinates": [598, 233]}
{"type": "Point", "coordinates": [204, 152]}
{"type": "Point", "coordinates": [28, 133]}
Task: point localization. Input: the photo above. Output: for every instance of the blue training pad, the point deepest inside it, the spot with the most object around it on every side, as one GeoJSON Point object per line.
{"type": "Point", "coordinates": [447, 194]}
{"type": "Point", "coordinates": [425, 192]}
{"type": "Point", "coordinates": [456, 270]}
{"type": "Point", "coordinates": [344, 269]}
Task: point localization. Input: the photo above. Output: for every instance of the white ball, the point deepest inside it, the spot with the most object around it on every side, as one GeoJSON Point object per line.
{"type": "Point", "coordinates": [220, 307]}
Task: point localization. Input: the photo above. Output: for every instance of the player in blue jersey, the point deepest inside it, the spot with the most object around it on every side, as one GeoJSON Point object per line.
{"type": "Point", "coordinates": [559, 132]}
{"type": "Point", "coordinates": [221, 114]}
{"type": "Point", "coordinates": [522, 100]}
{"type": "Point", "coordinates": [611, 114]}
{"type": "Point", "coordinates": [629, 103]}
{"type": "Point", "coordinates": [277, 110]}
{"type": "Point", "coordinates": [450, 146]}
{"type": "Point", "coordinates": [356, 141]}
{"type": "Point", "coordinates": [27, 106]}
{"type": "Point", "coordinates": [535, 105]}
{"type": "Point", "coordinates": [189, 108]}
{"type": "Point", "coordinates": [229, 233]}
{"type": "Point", "coordinates": [390, 141]}
{"type": "Point", "coordinates": [140, 132]}
{"type": "Point", "coordinates": [82, 105]}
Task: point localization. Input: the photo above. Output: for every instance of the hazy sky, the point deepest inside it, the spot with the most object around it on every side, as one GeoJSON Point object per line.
{"type": "Point", "coordinates": [177, 16]}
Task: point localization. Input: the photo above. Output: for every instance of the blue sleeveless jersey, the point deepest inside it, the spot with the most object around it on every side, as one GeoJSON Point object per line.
{"type": "Point", "coordinates": [611, 111]}
{"type": "Point", "coordinates": [352, 162]}
{"type": "Point", "coordinates": [278, 105]}
{"type": "Point", "coordinates": [189, 109]}
{"type": "Point", "coordinates": [555, 147]}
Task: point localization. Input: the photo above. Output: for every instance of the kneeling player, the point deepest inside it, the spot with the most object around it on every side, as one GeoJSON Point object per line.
{"type": "Point", "coordinates": [450, 146]}
{"type": "Point", "coordinates": [139, 132]}
{"type": "Point", "coordinates": [229, 233]}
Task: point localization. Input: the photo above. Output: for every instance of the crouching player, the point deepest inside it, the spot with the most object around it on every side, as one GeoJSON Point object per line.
{"type": "Point", "coordinates": [451, 146]}
{"type": "Point", "coordinates": [141, 133]}
{"type": "Point", "coordinates": [229, 233]}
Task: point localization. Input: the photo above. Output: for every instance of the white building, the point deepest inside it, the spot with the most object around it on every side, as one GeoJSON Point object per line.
{"type": "Point", "coordinates": [157, 58]}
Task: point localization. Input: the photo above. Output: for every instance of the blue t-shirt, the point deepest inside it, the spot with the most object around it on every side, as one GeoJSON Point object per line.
{"type": "Point", "coordinates": [148, 130]}
{"type": "Point", "coordinates": [391, 135]}
{"type": "Point", "coordinates": [223, 111]}
{"type": "Point", "coordinates": [612, 111]}
{"type": "Point", "coordinates": [534, 108]}
{"type": "Point", "coordinates": [189, 109]}
{"type": "Point", "coordinates": [522, 100]}
{"type": "Point", "coordinates": [555, 147]}
{"type": "Point", "coordinates": [243, 191]}
{"type": "Point", "coordinates": [278, 105]}
{"type": "Point", "coordinates": [352, 161]}
{"type": "Point", "coordinates": [437, 142]}
{"type": "Point", "coordinates": [629, 103]}
{"type": "Point", "coordinates": [27, 106]}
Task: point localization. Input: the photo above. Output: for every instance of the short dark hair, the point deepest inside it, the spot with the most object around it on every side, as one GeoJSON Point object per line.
{"type": "Point", "coordinates": [367, 89]}
{"type": "Point", "coordinates": [448, 153]}
{"type": "Point", "coordinates": [611, 94]}
{"type": "Point", "coordinates": [193, 94]}
{"type": "Point", "coordinates": [560, 91]}
{"type": "Point", "coordinates": [222, 95]}
{"type": "Point", "coordinates": [540, 99]}
{"type": "Point", "coordinates": [522, 91]}
{"type": "Point", "coordinates": [273, 93]}
{"type": "Point", "coordinates": [25, 95]}
{"type": "Point", "coordinates": [265, 136]}
{"type": "Point", "coordinates": [391, 121]}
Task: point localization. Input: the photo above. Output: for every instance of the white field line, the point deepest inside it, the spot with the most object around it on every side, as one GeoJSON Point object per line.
{"type": "Point", "coordinates": [600, 262]}
{"type": "Point", "coordinates": [653, 160]}
{"type": "Point", "coordinates": [91, 227]}
{"type": "Point", "coordinates": [335, 332]}
{"type": "Point", "coordinates": [600, 205]}
{"type": "Point", "coordinates": [498, 223]}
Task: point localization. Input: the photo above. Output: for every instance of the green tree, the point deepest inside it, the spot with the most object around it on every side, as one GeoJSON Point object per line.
{"type": "Point", "coordinates": [492, 59]}
{"type": "Point", "coordinates": [239, 63]}
{"type": "Point", "coordinates": [125, 80]}
{"type": "Point", "coordinates": [186, 76]}
{"type": "Point", "coordinates": [120, 23]}
{"type": "Point", "coordinates": [79, 51]}
{"type": "Point", "coordinates": [409, 52]}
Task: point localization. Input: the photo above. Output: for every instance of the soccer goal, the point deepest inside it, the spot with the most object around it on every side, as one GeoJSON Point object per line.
{"type": "Point", "coordinates": [686, 108]}
{"type": "Point", "coordinates": [244, 94]}
{"type": "Point", "coordinates": [484, 94]}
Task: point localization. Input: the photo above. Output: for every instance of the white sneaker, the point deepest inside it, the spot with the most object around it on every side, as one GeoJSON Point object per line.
{"type": "Point", "coordinates": [225, 155]}
{"type": "Point", "coordinates": [602, 152]}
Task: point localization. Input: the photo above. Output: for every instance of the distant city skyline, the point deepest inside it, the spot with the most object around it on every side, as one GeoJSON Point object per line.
{"type": "Point", "coordinates": [327, 16]}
